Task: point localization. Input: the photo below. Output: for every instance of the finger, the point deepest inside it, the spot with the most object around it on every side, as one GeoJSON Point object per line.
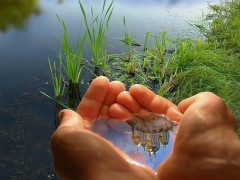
{"type": "Point", "coordinates": [126, 100]}
{"type": "Point", "coordinates": [154, 103]}
{"type": "Point", "coordinates": [183, 105]}
{"type": "Point", "coordinates": [117, 111]}
{"type": "Point", "coordinates": [91, 104]}
{"type": "Point", "coordinates": [69, 118]}
{"type": "Point", "coordinates": [115, 87]}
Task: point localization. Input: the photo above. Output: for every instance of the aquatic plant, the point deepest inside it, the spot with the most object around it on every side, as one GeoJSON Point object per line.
{"type": "Point", "coordinates": [128, 40]}
{"type": "Point", "coordinates": [158, 63]}
{"type": "Point", "coordinates": [57, 80]}
{"type": "Point", "coordinates": [146, 57]}
{"type": "Point", "coordinates": [96, 31]}
{"type": "Point", "coordinates": [131, 68]}
{"type": "Point", "coordinates": [72, 63]}
{"type": "Point", "coordinates": [147, 35]}
{"type": "Point", "coordinates": [105, 63]}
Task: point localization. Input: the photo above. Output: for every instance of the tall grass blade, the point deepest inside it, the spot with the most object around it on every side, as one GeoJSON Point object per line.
{"type": "Point", "coordinates": [55, 100]}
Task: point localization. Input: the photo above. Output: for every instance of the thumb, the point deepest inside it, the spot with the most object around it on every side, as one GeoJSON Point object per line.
{"type": "Point", "coordinates": [64, 143]}
{"type": "Point", "coordinates": [69, 118]}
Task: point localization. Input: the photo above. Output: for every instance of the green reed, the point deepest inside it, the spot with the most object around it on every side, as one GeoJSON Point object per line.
{"type": "Point", "coordinates": [158, 64]}
{"type": "Point", "coordinates": [146, 57]}
{"type": "Point", "coordinates": [71, 60]}
{"type": "Point", "coordinates": [57, 80]}
{"type": "Point", "coordinates": [96, 31]}
{"type": "Point", "coordinates": [147, 35]}
{"type": "Point", "coordinates": [128, 40]}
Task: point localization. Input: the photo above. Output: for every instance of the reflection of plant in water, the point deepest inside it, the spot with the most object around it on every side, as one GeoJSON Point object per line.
{"type": "Point", "coordinates": [16, 12]}
{"type": "Point", "coordinates": [151, 131]}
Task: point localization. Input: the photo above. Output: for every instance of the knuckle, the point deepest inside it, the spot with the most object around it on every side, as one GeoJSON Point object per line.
{"type": "Point", "coordinates": [213, 100]}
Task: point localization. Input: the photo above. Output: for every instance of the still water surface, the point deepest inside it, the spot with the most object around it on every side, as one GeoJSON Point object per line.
{"type": "Point", "coordinates": [27, 40]}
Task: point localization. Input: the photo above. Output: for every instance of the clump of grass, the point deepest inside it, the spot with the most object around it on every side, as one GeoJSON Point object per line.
{"type": "Point", "coordinates": [57, 80]}
{"type": "Point", "coordinates": [159, 51]}
{"type": "Point", "coordinates": [205, 69]}
{"type": "Point", "coordinates": [211, 65]}
{"type": "Point", "coordinates": [147, 35]}
{"type": "Point", "coordinates": [128, 40]}
{"type": "Point", "coordinates": [225, 27]}
{"type": "Point", "coordinates": [96, 31]}
{"type": "Point", "coordinates": [131, 68]}
{"type": "Point", "coordinates": [72, 62]}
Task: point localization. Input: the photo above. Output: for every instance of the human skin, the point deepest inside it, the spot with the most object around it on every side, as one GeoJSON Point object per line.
{"type": "Point", "coordinates": [206, 144]}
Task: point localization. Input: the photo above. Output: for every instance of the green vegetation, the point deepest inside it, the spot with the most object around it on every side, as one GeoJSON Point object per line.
{"type": "Point", "coordinates": [96, 31]}
{"type": "Point", "coordinates": [73, 58]}
{"type": "Point", "coordinates": [175, 69]}
{"type": "Point", "coordinates": [57, 80]}
{"type": "Point", "coordinates": [213, 64]}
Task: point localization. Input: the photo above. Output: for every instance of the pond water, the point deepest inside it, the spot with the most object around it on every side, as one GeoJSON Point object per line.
{"type": "Point", "coordinates": [27, 40]}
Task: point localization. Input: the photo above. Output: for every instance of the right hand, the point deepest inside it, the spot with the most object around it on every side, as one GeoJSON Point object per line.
{"type": "Point", "coordinates": [206, 144]}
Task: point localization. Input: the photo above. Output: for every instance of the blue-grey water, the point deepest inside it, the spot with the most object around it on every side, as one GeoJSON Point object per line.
{"type": "Point", "coordinates": [27, 40]}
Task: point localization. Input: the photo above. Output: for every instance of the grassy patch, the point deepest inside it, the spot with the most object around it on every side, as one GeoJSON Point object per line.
{"type": "Point", "coordinates": [212, 65]}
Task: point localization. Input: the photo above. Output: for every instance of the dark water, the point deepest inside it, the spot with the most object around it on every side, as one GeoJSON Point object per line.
{"type": "Point", "coordinates": [27, 40]}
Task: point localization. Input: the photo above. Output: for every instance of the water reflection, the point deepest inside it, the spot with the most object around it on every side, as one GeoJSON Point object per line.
{"type": "Point", "coordinates": [146, 139]}
{"type": "Point", "coordinates": [16, 12]}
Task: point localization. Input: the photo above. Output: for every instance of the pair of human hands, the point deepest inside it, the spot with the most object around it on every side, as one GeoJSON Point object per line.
{"type": "Point", "coordinates": [206, 145]}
